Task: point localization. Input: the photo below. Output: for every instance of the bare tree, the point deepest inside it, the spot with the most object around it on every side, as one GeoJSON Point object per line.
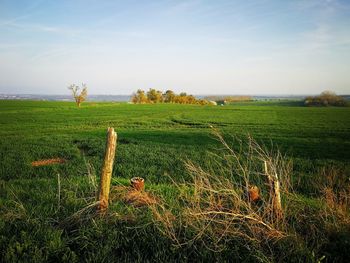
{"type": "Point", "coordinates": [79, 97]}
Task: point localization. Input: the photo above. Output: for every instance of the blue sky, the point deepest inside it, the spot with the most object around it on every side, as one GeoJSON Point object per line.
{"type": "Point", "coordinates": [198, 46]}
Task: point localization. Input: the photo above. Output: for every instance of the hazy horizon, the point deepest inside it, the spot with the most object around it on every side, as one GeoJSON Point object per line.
{"type": "Point", "coordinates": [266, 47]}
{"type": "Point", "coordinates": [195, 94]}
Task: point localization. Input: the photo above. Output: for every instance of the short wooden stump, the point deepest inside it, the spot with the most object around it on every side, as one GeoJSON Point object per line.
{"type": "Point", "coordinates": [138, 183]}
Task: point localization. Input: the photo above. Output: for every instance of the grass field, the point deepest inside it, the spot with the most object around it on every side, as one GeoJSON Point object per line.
{"type": "Point", "coordinates": [38, 205]}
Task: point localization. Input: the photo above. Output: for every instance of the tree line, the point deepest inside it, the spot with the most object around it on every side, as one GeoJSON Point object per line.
{"type": "Point", "coordinates": [157, 96]}
{"type": "Point", "coordinates": [326, 98]}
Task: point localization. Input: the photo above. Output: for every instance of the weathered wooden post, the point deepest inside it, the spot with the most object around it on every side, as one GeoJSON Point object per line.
{"type": "Point", "coordinates": [107, 169]}
{"type": "Point", "coordinates": [275, 192]}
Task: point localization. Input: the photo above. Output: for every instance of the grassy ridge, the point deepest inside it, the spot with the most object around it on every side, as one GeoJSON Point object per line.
{"type": "Point", "coordinates": [153, 141]}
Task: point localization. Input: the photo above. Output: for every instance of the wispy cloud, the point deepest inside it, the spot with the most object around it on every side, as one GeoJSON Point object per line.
{"type": "Point", "coordinates": [53, 53]}
{"type": "Point", "coordinates": [327, 32]}
{"type": "Point", "coordinates": [42, 28]}
{"type": "Point", "coordinates": [181, 7]}
{"type": "Point", "coordinates": [31, 10]}
{"type": "Point", "coordinates": [14, 20]}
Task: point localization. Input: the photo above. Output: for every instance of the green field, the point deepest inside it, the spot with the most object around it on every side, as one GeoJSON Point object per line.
{"type": "Point", "coordinates": [153, 142]}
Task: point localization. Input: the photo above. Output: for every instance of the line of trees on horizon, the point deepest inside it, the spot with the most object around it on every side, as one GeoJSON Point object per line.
{"type": "Point", "coordinates": [326, 98]}
{"type": "Point", "coordinates": [157, 96]}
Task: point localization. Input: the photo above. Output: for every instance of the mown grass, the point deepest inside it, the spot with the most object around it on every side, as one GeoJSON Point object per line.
{"type": "Point", "coordinates": [37, 222]}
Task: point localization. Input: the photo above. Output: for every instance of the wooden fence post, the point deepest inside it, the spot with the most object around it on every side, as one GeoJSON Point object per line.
{"type": "Point", "coordinates": [107, 169]}
{"type": "Point", "coordinates": [275, 192]}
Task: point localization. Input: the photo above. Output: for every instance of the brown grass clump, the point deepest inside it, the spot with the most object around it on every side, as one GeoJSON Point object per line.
{"type": "Point", "coordinates": [132, 196]}
{"type": "Point", "coordinates": [138, 198]}
{"type": "Point", "coordinates": [46, 162]}
{"type": "Point", "coordinates": [335, 187]}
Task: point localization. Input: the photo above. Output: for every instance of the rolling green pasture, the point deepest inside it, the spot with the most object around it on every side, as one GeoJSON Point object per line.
{"type": "Point", "coordinates": [153, 142]}
{"type": "Point", "coordinates": [154, 139]}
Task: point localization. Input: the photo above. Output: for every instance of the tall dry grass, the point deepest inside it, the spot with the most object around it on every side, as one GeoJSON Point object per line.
{"type": "Point", "coordinates": [334, 184]}
{"type": "Point", "coordinates": [216, 205]}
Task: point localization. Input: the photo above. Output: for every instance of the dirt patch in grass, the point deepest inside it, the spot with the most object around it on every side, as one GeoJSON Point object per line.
{"type": "Point", "coordinates": [45, 162]}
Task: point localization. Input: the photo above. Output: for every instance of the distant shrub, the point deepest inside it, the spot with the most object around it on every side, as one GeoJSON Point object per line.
{"type": "Point", "coordinates": [139, 97]}
{"type": "Point", "coordinates": [157, 96]}
{"type": "Point", "coordinates": [326, 98]}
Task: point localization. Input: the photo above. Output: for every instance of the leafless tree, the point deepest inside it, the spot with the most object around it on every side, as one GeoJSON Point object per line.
{"type": "Point", "coordinates": [79, 96]}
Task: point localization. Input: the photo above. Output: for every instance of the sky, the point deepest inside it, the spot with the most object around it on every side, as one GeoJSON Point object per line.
{"type": "Point", "coordinates": [258, 47]}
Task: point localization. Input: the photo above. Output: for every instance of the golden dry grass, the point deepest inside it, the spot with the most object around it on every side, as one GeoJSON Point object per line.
{"type": "Point", "coordinates": [129, 195]}
{"type": "Point", "coordinates": [45, 162]}
{"type": "Point", "coordinates": [236, 202]}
